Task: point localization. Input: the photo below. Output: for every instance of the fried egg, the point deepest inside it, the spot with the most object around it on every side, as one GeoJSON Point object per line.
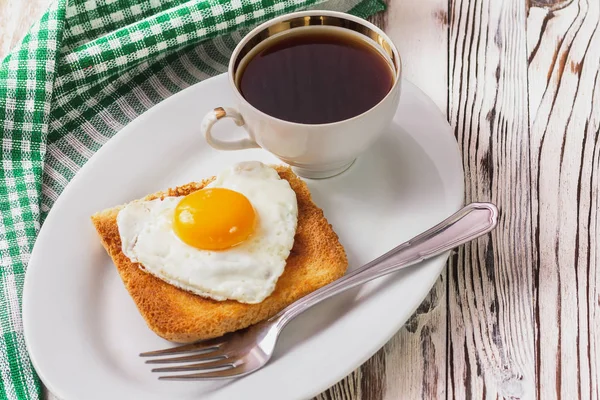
{"type": "Point", "coordinates": [229, 240]}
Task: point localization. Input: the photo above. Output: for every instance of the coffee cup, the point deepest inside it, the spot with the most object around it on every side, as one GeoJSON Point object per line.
{"type": "Point", "coordinates": [313, 149]}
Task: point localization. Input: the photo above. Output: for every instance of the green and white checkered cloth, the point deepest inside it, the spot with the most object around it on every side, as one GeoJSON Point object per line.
{"type": "Point", "coordinates": [84, 71]}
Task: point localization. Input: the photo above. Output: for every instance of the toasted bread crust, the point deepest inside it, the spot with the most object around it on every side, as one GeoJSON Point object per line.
{"type": "Point", "coordinates": [316, 259]}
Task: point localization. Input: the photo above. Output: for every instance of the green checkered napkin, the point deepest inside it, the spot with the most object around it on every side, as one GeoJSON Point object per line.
{"type": "Point", "coordinates": [84, 71]}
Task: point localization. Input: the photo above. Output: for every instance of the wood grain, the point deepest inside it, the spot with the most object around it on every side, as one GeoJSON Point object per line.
{"type": "Point", "coordinates": [491, 322]}
{"type": "Point", "coordinates": [550, 4]}
{"type": "Point", "coordinates": [564, 82]}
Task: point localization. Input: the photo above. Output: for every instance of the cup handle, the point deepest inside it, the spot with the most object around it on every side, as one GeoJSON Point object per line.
{"type": "Point", "coordinates": [213, 117]}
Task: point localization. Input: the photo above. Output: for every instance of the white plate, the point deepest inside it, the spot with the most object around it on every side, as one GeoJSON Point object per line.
{"type": "Point", "coordinates": [83, 330]}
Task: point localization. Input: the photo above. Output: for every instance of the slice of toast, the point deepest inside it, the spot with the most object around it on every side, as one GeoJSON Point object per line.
{"type": "Point", "coordinates": [316, 259]}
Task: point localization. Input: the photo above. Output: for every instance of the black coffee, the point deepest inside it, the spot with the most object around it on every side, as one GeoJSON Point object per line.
{"type": "Point", "coordinates": [315, 76]}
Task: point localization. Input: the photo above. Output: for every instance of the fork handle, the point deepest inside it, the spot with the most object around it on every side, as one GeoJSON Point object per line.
{"type": "Point", "coordinates": [472, 221]}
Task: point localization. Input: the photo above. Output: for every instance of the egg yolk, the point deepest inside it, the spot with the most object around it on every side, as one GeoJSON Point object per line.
{"type": "Point", "coordinates": [214, 219]}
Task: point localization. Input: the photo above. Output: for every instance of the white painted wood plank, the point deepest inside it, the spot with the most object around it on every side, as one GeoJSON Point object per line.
{"type": "Point", "coordinates": [419, 28]}
{"type": "Point", "coordinates": [491, 353]}
{"type": "Point", "coordinates": [564, 86]}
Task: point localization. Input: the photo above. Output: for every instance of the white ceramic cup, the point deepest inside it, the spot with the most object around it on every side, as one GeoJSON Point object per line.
{"type": "Point", "coordinates": [313, 150]}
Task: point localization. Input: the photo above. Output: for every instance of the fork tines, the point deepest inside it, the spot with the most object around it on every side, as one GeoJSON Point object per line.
{"type": "Point", "coordinates": [203, 346]}
{"type": "Point", "coordinates": [208, 359]}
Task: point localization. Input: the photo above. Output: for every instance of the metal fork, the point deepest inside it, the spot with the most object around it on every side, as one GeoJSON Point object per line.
{"type": "Point", "coordinates": [243, 352]}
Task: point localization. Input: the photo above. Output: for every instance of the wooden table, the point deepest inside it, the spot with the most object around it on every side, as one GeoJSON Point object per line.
{"type": "Point", "coordinates": [517, 314]}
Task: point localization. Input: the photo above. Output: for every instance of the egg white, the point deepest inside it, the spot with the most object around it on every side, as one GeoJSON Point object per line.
{"type": "Point", "coordinates": [247, 272]}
